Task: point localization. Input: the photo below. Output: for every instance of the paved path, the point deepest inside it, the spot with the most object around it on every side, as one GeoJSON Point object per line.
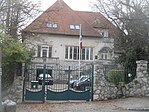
{"type": "Point", "coordinates": [140, 104]}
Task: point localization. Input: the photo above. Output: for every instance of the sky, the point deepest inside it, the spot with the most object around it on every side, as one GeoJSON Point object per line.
{"type": "Point", "coordinates": [80, 5]}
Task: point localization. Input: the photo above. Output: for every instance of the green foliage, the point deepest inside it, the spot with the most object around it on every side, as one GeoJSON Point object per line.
{"type": "Point", "coordinates": [133, 49]}
{"type": "Point", "coordinates": [116, 76]}
{"type": "Point", "coordinates": [13, 53]}
{"type": "Point", "coordinates": [132, 20]}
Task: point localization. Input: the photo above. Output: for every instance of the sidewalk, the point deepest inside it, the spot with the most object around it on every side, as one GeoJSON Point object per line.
{"type": "Point", "coordinates": [133, 104]}
{"type": "Point", "coordinates": [139, 104]}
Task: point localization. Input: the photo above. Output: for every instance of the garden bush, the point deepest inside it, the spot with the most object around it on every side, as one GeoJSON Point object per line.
{"type": "Point", "coordinates": [116, 76]}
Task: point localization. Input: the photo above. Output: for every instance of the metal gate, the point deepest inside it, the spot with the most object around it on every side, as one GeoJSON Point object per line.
{"type": "Point", "coordinates": [55, 82]}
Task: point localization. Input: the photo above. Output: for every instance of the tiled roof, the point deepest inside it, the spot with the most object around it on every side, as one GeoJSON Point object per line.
{"type": "Point", "coordinates": [61, 14]}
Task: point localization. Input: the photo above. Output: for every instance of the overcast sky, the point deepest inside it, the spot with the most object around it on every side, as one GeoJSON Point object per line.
{"type": "Point", "coordinates": [81, 5]}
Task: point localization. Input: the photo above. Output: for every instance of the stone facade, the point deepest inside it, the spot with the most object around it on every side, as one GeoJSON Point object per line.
{"type": "Point", "coordinates": [104, 90]}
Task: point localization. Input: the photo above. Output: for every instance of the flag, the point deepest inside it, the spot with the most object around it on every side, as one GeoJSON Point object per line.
{"type": "Point", "coordinates": [80, 40]}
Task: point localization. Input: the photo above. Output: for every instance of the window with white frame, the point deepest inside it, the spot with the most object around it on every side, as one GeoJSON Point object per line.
{"type": "Point", "coordinates": [104, 56]}
{"type": "Point", "coordinates": [72, 53]}
{"type": "Point", "coordinates": [51, 25]}
{"type": "Point", "coordinates": [104, 33]}
{"type": "Point", "coordinates": [105, 53]}
{"type": "Point", "coordinates": [74, 27]}
{"type": "Point", "coordinates": [44, 51]}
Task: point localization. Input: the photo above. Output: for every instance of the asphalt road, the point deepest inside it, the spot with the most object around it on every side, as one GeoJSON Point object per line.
{"type": "Point", "coordinates": [139, 104]}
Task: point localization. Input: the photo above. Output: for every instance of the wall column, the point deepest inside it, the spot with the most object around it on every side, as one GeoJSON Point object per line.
{"type": "Point", "coordinates": [142, 77]}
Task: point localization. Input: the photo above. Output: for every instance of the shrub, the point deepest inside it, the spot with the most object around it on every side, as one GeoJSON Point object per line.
{"type": "Point", "coordinates": [116, 76]}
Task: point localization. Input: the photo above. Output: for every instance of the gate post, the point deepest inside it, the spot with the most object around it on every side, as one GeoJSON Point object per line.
{"type": "Point", "coordinates": [24, 78]}
{"type": "Point", "coordinates": [43, 81]}
{"type": "Point", "coordinates": [69, 77]}
{"type": "Point", "coordinates": [92, 89]}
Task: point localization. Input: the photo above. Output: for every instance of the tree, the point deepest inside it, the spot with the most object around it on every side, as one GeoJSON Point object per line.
{"type": "Point", "coordinates": [14, 52]}
{"type": "Point", "coordinates": [132, 19]}
{"type": "Point", "coordinates": [14, 14]}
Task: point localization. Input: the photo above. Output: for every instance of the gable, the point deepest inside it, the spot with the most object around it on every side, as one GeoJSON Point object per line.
{"type": "Point", "coordinates": [105, 50]}
{"type": "Point", "coordinates": [58, 18]}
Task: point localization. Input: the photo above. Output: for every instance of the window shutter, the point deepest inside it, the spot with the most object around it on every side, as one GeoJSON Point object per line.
{"type": "Point", "coordinates": [39, 51]}
{"type": "Point", "coordinates": [50, 52]}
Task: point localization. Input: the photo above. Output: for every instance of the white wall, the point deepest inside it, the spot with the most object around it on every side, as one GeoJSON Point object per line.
{"type": "Point", "coordinates": [59, 42]}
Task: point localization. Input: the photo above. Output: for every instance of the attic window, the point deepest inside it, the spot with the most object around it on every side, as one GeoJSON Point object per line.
{"type": "Point", "coordinates": [51, 25]}
{"type": "Point", "coordinates": [74, 27]}
{"type": "Point", "coordinates": [104, 33]}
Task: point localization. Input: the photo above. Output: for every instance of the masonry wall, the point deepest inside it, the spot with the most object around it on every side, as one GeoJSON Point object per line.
{"type": "Point", "coordinates": [104, 90]}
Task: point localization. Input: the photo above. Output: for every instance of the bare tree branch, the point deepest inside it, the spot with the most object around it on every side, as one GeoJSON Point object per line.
{"type": "Point", "coordinates": [15, 13]}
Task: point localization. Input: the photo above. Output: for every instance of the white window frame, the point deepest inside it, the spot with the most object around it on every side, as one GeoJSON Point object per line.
{"type": "Point", "coordinates": [52, 25]}
{"type": "Point", "coordinates": [74, 27]}
{"type": "Point", "coordinates": [104, 56]}
{"type": "Point", "coordinates": [77, 27]}
{"type": "Point", "coordinates": [72, 47]}
{"type": "Point", "coordinates": [104, 33]}
{"type": "Point", "coordinates": [46, 49]}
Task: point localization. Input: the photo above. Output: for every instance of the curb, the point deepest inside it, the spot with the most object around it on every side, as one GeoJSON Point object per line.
{"type": "Point", "coordinates": [138, 109]}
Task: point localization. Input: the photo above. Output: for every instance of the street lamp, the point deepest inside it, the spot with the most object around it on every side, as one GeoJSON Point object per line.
{"type": "Point", "coordinates": [130, 75]}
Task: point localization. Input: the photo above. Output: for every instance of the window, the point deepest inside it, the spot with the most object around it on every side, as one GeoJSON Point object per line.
{"type": "Point", "coordinates": [51, 25]}
{"type": "Point", "coordinates": [74, 27]}
{"type": "Point", "coordinates": [91, 54]}
{"type": "Point", "coordinates": [104, 33]}
{"type": "Point", "coordinates": [83, 53]}
{"type": "Point", "coordinates": [105, 53]}
{"type": "Point", "coordinates": [77, 27]}
{"type": "Point", "coordinates": [76, 53]}
{"type": "Point", "coordinates": [104, 56]}
{"type": "Point", "coordinates": [87, 53]}
{"type": "Point", "coordinates": [44, 51]}
{"type": "Point", "coordinates": [66, 53]}
{"type": "Point", "coordinates": [72, 53]}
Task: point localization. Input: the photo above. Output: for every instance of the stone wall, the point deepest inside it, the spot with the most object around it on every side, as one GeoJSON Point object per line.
{"type": "Point", "coordinates": [14, 93]}
{"type": "Point", "coordinates": [140, 85]}
{"type": "Point", "coordinates": [104, 90]}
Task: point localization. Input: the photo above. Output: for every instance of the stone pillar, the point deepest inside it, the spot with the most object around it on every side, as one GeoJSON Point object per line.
{"type": "Point", "coordinates": [103, 90]}
{"type": "Point", "coordinates": [141, 69]}
{"type": "Point", "coordinates": [142, 78]}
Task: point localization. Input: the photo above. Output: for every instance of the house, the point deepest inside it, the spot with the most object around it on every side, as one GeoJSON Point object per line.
{"type": "Point", "coordinates": [65, 43]}
{"type": "Point", "coordinates": [55, 34]}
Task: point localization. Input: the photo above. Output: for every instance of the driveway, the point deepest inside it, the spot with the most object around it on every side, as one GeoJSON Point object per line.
{"type": "Point", "coordinates": [139, 104]}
